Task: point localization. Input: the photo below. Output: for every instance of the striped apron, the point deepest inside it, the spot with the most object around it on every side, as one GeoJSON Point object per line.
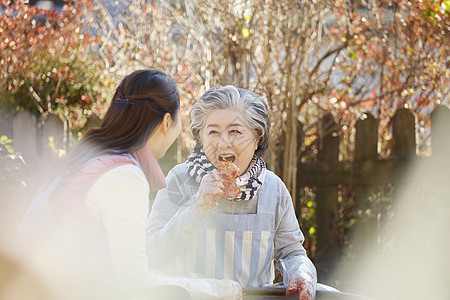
{"type": "Point", "coordinates": [236, 246]}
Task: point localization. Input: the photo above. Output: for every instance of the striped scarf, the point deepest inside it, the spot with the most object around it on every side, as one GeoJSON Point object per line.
{"type": "Point", "coordinates": [249, 183]}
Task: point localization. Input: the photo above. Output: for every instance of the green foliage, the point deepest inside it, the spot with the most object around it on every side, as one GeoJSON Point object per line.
{"type": "Point", "coordinates": [49, 63]}
{"type": "Point", "coordinates": [11, 167]}
{"type": "Point", "coordinates": [376, 211]}
{"type": "Point", "coordinates": [306, 213]}
{"type": "Point", "coordinates": [6, 143]}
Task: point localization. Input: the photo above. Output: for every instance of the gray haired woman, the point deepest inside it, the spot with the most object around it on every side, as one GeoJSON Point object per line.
{"type": "Point", "coordinates": [194, 228]}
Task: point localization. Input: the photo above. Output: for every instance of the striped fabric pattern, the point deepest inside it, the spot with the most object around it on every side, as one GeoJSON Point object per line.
{"type": "Point", "coordinates": [222, 257]}
{"type": "Point", "coordinates": [198, 165]}
{"type": "Point", "coordinates": [234, 247]}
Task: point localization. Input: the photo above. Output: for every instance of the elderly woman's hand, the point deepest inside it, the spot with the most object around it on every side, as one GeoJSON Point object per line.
{"type": "Point", "coordinates": [210, 190]}
{"type": "Point", "coordinates": [303, 286]}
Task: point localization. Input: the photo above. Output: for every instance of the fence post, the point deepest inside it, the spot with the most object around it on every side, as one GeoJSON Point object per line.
{"type": "Point", "coordinates": [25, 136]}
{"type": "Point", "coordinates": [366, 145]}
{"type": "Point", "coordinates": [440, 132]}
{"type": "Point", "coordinates": [404, 134]}
{"type": "Point", "coordinates": [366, 138]}
{"type": "Point", "coordinates": [439, 165]}
{"type": "Point", "coordinates": [326, 198]}
{"type": "Point", "coordinates": [52, 139]}
{"type": "Point", "coordinates": [406, 199]}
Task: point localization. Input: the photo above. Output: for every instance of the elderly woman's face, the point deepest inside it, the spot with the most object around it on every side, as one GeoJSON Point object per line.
{"type": "Point", "coordinates": [227, 136]}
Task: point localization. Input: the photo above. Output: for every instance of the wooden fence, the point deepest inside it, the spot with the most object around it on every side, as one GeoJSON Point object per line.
{"type": "Point", "coordinates": [39, 144]}
{"type": "Point", "coordinates": [365, 173]}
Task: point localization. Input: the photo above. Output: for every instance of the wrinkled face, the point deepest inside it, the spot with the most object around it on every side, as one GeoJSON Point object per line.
{"type": "Point", "coordinates": [227, 136]}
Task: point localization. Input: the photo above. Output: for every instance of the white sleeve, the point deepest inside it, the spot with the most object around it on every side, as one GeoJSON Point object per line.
{"type": "Point", "coordinates": [170, 225]}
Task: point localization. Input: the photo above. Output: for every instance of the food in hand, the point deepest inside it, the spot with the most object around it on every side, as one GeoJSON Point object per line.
{"type": "Point", "coordinates": [227, 174]}
{"type": "Point", "coordinates": [210, 191]}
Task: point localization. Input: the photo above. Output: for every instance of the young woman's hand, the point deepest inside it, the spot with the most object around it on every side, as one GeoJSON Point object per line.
{"type": "Point", "coordinates": [231, 290]}
{"type": "Point", "coordinates": [210, 190]}
{"type": "Point", "coordinates": [211, 288]}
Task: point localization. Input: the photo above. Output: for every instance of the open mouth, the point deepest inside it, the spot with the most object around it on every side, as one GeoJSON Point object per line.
{"type": "Point", "coordinates": [227, 157]}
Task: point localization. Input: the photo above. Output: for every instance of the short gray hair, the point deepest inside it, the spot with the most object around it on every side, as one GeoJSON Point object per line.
{"type": "Point", "coordinates": [241, 100]}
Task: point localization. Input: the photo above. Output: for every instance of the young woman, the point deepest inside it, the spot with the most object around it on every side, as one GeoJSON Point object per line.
{"type": "Point", "coordinates": [84, 233]}
{"type": "Point", "coordinates": [218, 236]}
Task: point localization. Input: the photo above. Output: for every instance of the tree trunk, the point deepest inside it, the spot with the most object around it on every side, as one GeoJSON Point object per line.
{"type": "Point", "coordinates": [290, 153]}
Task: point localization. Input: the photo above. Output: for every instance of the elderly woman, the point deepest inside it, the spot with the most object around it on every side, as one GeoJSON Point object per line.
{"type": "Point", "coordinates": [193, 227]}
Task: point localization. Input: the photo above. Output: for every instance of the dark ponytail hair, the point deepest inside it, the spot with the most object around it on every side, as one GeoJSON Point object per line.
{"type": "Point", "coordinates": [137, 108]}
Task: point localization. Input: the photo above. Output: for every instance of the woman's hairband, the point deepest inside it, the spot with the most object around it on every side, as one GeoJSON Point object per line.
{"type": "Point", "coordinates": [121, 100]}
{"type": "Point", "coordinates": [131, 101]}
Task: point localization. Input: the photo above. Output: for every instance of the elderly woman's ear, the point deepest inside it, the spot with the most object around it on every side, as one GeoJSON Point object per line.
{"type": "Point", "coordinates": [257, 138]}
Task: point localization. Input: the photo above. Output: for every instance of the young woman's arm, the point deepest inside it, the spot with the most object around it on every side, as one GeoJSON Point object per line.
{"type": "Point", "coordinates": [119, 198]}
{"type": "Point", "coordinates": [173, 221]}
